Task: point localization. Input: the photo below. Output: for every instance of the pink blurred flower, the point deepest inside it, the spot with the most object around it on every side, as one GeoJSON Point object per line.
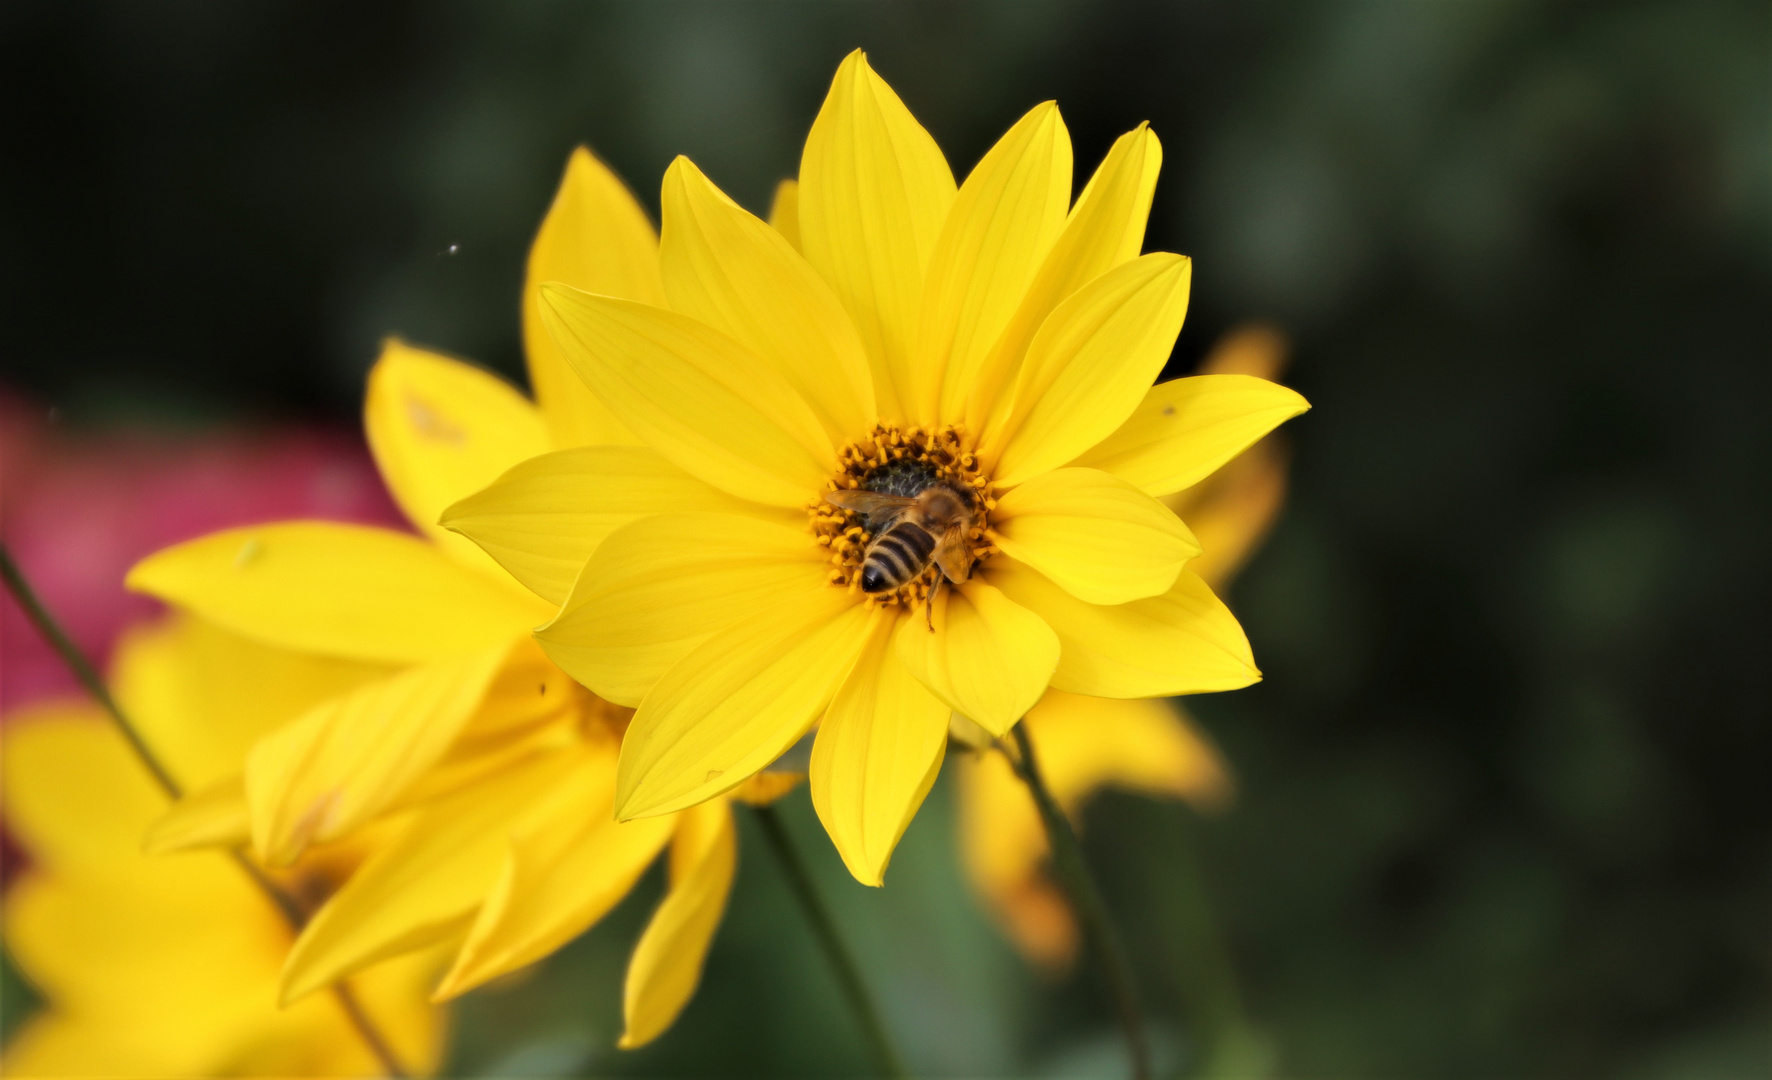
{"type": "Point", "coordinates": [79, 507]}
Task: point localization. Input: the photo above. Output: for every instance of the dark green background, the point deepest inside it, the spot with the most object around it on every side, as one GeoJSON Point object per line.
{"type": "Point", "coordinates": [1504, 808]}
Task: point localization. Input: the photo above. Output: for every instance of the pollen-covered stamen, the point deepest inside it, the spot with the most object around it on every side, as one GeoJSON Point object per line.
{"type": "Point", "coordinates": [899, 461]}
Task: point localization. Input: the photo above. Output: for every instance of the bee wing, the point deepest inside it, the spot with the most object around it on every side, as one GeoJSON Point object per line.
{"type": "Point", "coordinates": [873, 504]}
{"type": "Point", "coordinates": [952, 554]}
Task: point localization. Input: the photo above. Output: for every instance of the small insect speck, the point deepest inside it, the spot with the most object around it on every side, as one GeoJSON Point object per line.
{"type": "Point", "coordinates": [248, 552]}
{"type": "Point", "coordinates": [1168, 410]}
{"type": "Point", "coordinates": [544, 689]}
{"type": "Point", "coordinates": [452, 249]}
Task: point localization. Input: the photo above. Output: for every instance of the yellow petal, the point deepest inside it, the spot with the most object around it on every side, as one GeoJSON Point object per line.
{"type": "Point", "coordinates": [530, 706]}
{"type": "Point", "coordinates": [425, 886]}
{"type": "Point", "coordinates": [1140, 744]}
{"type": "Point", "coordinates": [567, 867]}
{"type": "Point", "coordinates": [1003, 848]}
{"type": "Point", "coordinates": [1097, 536]}
{"type": "Point", "coordinates": [596, 238]}
{"type": "Point", "coordinates": [766, 787]}
{"type": "Point", "coordinates": [216, 816]}
{"type": "Point", "coordinates": [157, 966]}
{"type": "Point", "coordinates": [874, 191]}
{"type": "Point", "coordinates": [395, 996]}
{"type": "Point", "coordinates": [528, 690]}
{"type": "Point", "coordinates": [1232, 510]}
{"type": "Point", "coordinates": [441, 429]}
{"type": "Point", "coordinates": [73, 795]}
{"type": "Point", "coordinates": [1084, 744]}
{"type": "Point", "coordinates": [124, 907]}
{"type": "Point", "coordinates": [338, 590]}
{"type": "Point", "coordinates": [153, 968]}
{"type": "Point", "coordinates": [1253, 348]}
{"type": "Point", "coordinates": [989, 658]}
{"type": "Point", "coordinates": [878, 750]}
{"type": "Point", "coordinates": [1185, 429]}
{"type": "Point", "coordinates": [1183, 642]}
{"type": "Point", "coordinates": [667, 961]}
{"type": "Point", "coordinates": [1091, 362]}
{"type": "Point", "coordinates": [967, 732]}
{"type": "Point", "coordinates": [171, 972]}
{"type": "Point", "coordinates": [348, 759]}
{"type": "Point", "coordinates": [1105, 229]}
{"type": "Point", "coordinates": [472, 758]}
{"type": "Point", "coordinates": [740, 699]}
{"type": "Point", "coordinates": [543, 518]}
{"type": "Point", "coordinates": [696, 396]}
{"type": "Point", "coordinates": [1004, 221]}
{"type": "Point", "coordinates": [784, 211]}
{"type": "Point", "coordinates": [202, 696]}
{"type": "Point", "coordinates": [728, 269]}
{"type": "Point", "coordinates": [660, 587]}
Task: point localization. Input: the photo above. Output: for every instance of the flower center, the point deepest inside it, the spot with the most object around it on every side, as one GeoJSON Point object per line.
{"type": "Point", "coordinates": [902, 462]}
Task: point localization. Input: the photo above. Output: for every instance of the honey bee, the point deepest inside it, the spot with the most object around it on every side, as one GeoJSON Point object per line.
{"type": "Point", "coordinates": [923, 521]}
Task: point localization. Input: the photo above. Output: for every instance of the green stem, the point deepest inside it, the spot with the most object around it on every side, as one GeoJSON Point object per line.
{"type": "Point", "coordinates": [83, 670]}
{"type": "Point", "coordinates": [1231, 1045]}
{"type": "Point", "coordinates": [1073, 874]}
{"type": "Point", "coordinates": [87, 675]}
{"type": "Point", "coordinates": [824, 928]}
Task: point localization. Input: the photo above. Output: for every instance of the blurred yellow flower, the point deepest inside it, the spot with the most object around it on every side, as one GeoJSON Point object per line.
{"type": "Point", "coordinates": [154, 966]}
{"type": "Point", "coordinates": [990, 340]}
{"type": "Point", "coordinates": [1146, 746]}
{"type": "Point", "coordinates": [501, 768]}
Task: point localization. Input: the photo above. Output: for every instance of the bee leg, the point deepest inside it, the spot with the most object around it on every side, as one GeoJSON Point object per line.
{"type": "Point", "coordinates": [929, 602]}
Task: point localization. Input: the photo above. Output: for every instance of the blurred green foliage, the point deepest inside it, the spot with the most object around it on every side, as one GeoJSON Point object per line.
{"type": "Point", "coordinates": [1502, 806]}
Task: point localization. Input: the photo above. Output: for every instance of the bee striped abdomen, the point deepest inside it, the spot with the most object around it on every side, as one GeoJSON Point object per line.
{"type": "Point", "coordinates": [896, 557]}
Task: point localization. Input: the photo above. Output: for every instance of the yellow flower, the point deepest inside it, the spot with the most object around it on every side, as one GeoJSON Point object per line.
{"type": "Point", "coordinates": [995, 338]}
{"type": "Point", "coordinates": [500, 770]}
{"type": "Point", "coordinates": [168, 966]}
{"type": "Point", "coordinates": [1085, 744]}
